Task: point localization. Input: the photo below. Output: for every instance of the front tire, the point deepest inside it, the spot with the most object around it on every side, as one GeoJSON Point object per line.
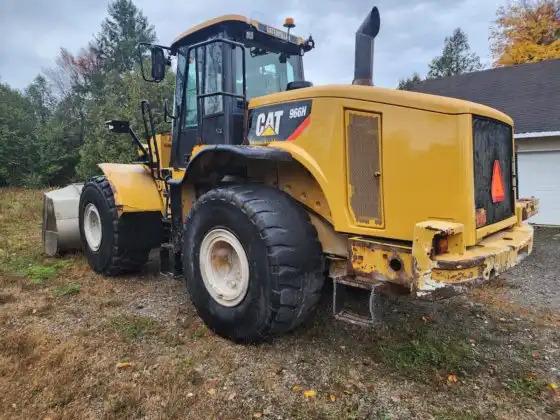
{"type": "Point", "coordinates": [252, 261]}
{"type": "Point", "coordinates": [99, 232]}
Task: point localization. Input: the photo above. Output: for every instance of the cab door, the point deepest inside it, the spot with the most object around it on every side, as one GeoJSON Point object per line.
{"type": "Point", "coordinates": [209, 112]}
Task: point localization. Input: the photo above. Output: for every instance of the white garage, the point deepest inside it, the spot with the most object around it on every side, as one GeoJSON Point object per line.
{"type": "Point", "coordinates": [538, 160]}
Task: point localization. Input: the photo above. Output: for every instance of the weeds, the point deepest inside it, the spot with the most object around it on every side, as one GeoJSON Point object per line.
{"type": "Point", "coordinates": [38, 274]}
{"type": "Point", "coordinates": [69, 289]}
{"type": "Point", "coordinates": [527, 386]}
{"type": "Point", "coordinates": [133, 327]}
{"type": "Point", "coordinates": [427, 351]}
{"type": "Point", "coordinates": [200, 332]}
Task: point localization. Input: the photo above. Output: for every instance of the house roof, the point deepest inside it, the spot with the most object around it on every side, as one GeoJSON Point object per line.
{"type": "Point", "coordinates": [529, 93]}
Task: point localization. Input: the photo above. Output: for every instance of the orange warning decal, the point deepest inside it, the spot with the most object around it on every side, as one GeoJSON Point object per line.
{"type": "Point", "coordinates": [498, 194]}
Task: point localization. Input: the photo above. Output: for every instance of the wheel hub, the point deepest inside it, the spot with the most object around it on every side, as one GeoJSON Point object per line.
{"type": "Point", "coordinates": [92, 227]}
{"type": "Point", "coordinates": [224, 267]}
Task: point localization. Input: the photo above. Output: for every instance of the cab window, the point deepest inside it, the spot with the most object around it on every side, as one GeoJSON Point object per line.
{"type": "Point", "coordinates": [213, 79]}
{"type": "Point", "coordinates": [266, 72]}
{"type": "Point", "coordinates": [191, 116]}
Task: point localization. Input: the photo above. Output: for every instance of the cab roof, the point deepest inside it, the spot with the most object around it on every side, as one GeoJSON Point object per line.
{"type": "Point", "coordinates": [218, 23]}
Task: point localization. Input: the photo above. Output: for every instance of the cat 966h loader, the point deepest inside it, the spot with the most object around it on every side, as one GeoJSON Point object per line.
{"type": "Point", "coordinates": [267, 185]}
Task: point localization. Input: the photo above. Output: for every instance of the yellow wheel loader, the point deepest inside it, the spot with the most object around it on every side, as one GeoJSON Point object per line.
{"type": "Point", "coordinates": [268, 185]}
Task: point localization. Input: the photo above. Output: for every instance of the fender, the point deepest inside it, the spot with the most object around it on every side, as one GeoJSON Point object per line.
{"type": "Point", "coordinates": [212, 159]}
{"type": "Point", "coordinates": [134, 187]}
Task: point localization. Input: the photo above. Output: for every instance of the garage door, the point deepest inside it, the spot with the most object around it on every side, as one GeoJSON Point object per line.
{"type": "Point", "coordinates": [539, 176]}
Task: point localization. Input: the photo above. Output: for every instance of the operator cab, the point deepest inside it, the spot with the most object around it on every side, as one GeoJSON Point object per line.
{"type": "Point", "coordinates": [221, 65]}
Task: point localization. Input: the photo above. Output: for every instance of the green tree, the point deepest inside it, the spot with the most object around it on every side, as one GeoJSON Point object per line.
{"type": "Point", "coordinates": [121, 101]}
{"type": "Point", "coordinates": [17, 137]}
{"type": "Point", "coordinates": [456, 57]}
{"type": "Point", "coordinates": [40, 95]}
{"type": "Point", "coordinates": [410, 82]}
{"type": "Point", "coordinates": [54, 132]}
{"type": "Point", "coordinates": [121, 89]}
{"type": "Point", "coordinates": [120, 34]}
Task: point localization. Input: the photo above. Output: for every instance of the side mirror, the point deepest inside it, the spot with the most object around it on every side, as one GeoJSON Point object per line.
{"type": "Point", "coordinates": [158, 64]}
{"type": "Point", "coordinates": [118, 126]}
{"type": "Point", "coordinates": [157, 61]}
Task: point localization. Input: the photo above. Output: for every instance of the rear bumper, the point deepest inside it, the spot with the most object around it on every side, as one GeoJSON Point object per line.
{"type": "Point", "coordinates": [526, 207]}
{"type": "Point", "coordinates": [453, 273]}
{"type": "Point", "coordinates": [438, 276]}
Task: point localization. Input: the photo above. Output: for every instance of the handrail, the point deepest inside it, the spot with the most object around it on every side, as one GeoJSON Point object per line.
{"type": "Point", "coordinates": [151, 139]}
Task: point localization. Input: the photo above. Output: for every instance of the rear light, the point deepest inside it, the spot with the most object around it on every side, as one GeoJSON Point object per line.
{"type": "Point", "coordinates": [441, 244]}
{"type": "Point", "coordinates": [480, 217]}
{"type": "Point", "coordinates": [498, 193]}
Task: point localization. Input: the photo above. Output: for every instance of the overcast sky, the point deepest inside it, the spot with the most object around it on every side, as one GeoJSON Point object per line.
{"type": "Point", "coordinates": [412, 31]}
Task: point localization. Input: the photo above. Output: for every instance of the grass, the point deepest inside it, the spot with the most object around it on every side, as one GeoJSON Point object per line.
{"type": "Point", "coordinates": [69, 289]}
{"type": "Point", "coordinates": [6, 298]}
{"type": "Point", "coordinates": [527, 386]}
{"type": "Point", "coordinates": [58, 354]}
{"type": "Point", "coordinates": [424, 351]}
{"type": "Point", "coordinates": [21, 252]}
{"type": "Point", "coordinates": [133, 327]}
{"type": "Point", "coordinates": [38, 274]}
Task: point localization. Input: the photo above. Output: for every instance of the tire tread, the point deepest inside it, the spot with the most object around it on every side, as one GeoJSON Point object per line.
{"type": "Point", "coordinates": [295, 293]}
{"type": "Point", "coordinates": [122, 260]}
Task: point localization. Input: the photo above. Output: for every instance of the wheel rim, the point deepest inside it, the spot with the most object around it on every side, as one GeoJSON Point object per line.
{"type": "Point", "coordinates": [92, 227]}
{"type": "Point", "coordinates": [224, 267]}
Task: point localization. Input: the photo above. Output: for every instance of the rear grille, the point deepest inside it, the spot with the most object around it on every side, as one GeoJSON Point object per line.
{"type": "Point", "coordinates": [492, 141]}
{"type": "Point", "coordinates": [364, 167]}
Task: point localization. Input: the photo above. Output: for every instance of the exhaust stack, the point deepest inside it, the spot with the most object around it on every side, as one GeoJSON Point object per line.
{"type": "Point", "coordinates": [363, 61]}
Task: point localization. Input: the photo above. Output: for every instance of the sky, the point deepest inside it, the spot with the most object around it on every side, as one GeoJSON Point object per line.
{"type": "Point", "coordinates": [412, 31]}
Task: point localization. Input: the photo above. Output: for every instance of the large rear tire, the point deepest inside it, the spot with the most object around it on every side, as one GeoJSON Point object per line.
{"type": "Point", "coordinates": [99, 232]}
{"type": "Point", "coordinates": [252, 262]}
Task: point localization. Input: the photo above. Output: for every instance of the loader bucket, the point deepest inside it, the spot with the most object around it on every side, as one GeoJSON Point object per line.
{"type": "Point", "coordinates": [61, 231]}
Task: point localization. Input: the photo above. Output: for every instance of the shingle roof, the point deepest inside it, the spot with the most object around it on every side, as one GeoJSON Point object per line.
{"type": "Point", "coordinates": [529, 93]}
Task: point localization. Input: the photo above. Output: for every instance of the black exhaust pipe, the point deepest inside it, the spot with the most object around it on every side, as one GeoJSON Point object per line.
{"type": "Point", "coordinates": [363, 61]}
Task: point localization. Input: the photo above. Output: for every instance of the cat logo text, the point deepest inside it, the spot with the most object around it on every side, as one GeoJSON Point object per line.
{"type": "Point", "coordinates": [268, 123]}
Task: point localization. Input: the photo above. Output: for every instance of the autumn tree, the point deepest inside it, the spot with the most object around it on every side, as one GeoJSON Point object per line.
{"type": "Point", "coordinates": [456, 57]}
{"type": "Point", "coordinates": [526, 31]}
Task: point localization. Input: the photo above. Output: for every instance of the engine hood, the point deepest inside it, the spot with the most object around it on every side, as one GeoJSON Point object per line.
{"type": "Point", "coordinates": [395, 97]}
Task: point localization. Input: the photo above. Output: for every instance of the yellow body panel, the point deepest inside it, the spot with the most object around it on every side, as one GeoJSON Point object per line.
{"type": "Point", "coordinates": [427, 168]}
{"type": "Point", "coordinates": [134, 187]}
{"type": "Point", "coordinates": [163, 143]}
{"type": "Point", "coordinates": [426, 189]}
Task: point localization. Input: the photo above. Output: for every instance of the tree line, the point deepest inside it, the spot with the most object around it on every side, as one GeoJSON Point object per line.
{"type": "Point", "coordinates": [525, 31]}
{"type": "Point", "coordinates": [53, 131]}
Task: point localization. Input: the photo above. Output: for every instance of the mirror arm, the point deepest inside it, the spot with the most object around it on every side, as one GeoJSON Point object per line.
{"type": "Point", "coordinates": [166, 112]}
{"type": "Point", "coordinates": [138, 143]}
